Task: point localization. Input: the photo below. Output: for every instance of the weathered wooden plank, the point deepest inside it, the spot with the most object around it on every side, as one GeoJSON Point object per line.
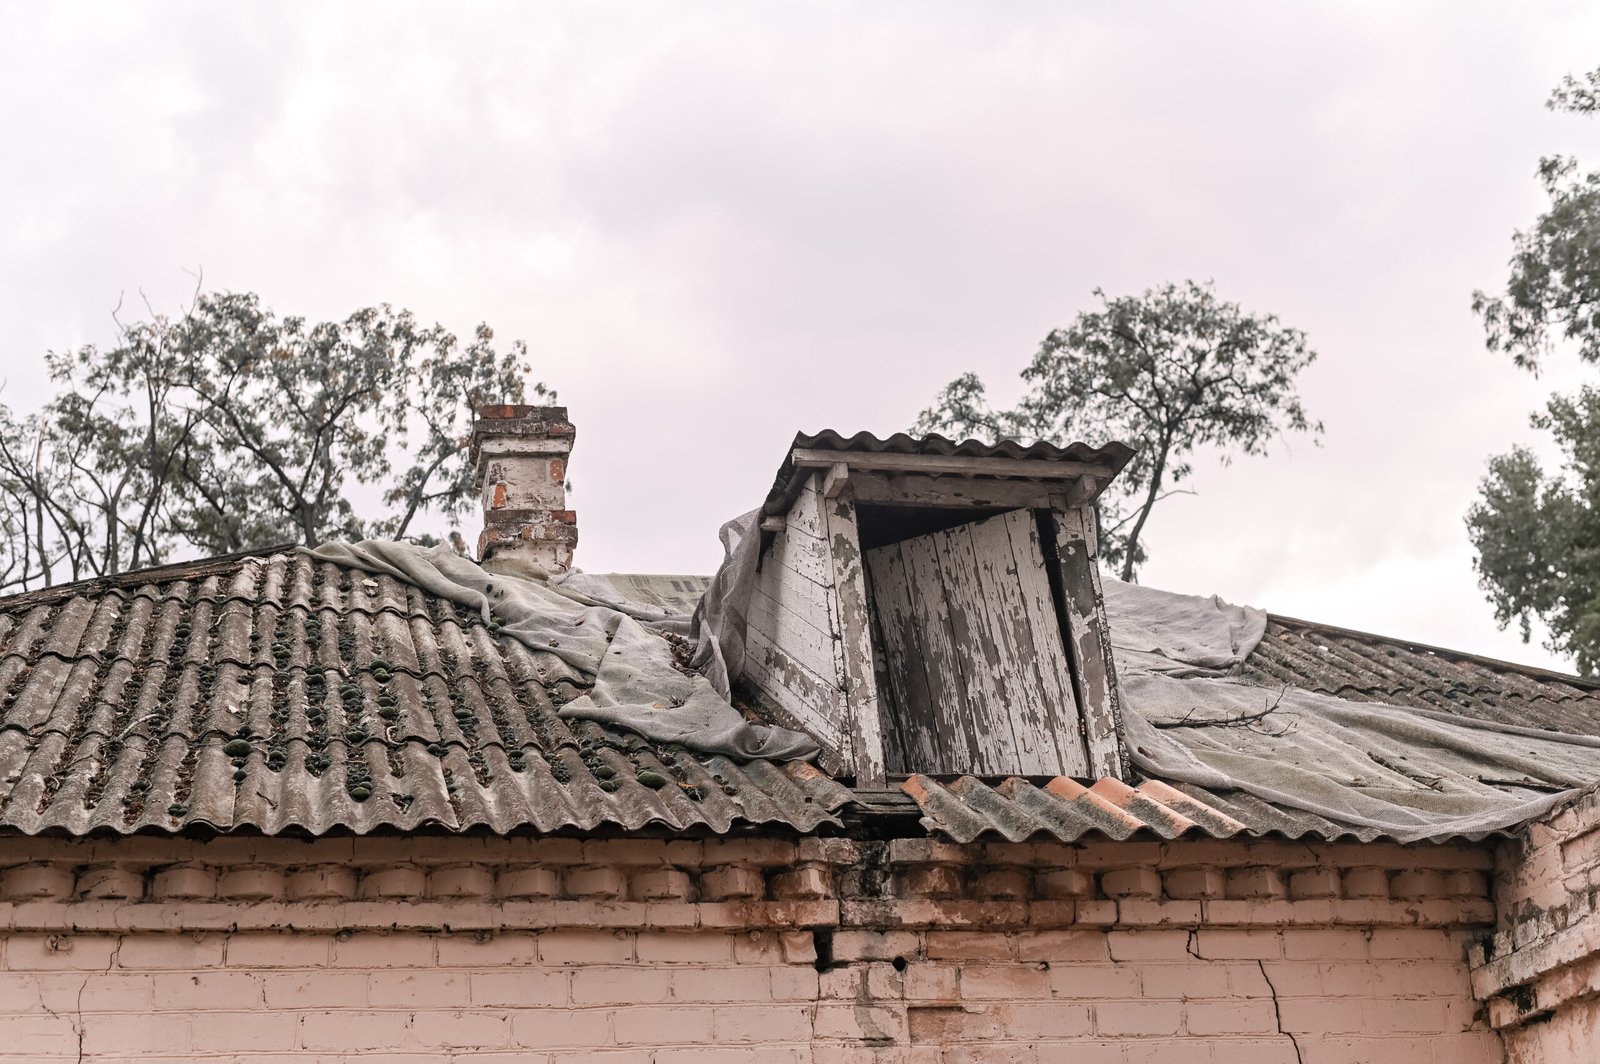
{"type": "Point", "coordinates": [982, 739]}
{"type": "Point", "coordinates": [802, 555]}
{"type": "Point", "coordinates": [1011, 639]}
{"type": "Point", "coordinates": [1049, 653]}
{"type": "Point", "coordinates": [1089, 643]}
{"type": "Point", "coordinates": [865, 726]}
{"type": "Point", "coordinates": [795, 630]}
{"type": "Point", "coordinates": [915, 489]}
{"type": "Point", "coordinates": [794, 688]}
{"type": "Point", "coordinates": [960, 464]}
{"type": "Point", "coordinates": [911, 737]}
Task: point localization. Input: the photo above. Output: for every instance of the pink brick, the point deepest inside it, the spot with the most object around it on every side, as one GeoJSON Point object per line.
{"type": "Point", "coordinates": [1004, 982]}
{"type": "Point", "coordinates": [28, 952]}
{"type": "Point", "coordinates": [251, 883]}
{"type": "Point", "coordinates": [1194, 883]}
{"type": "Point", "coordinates": [1256, 883]}
{"type": "Point", "coordinates": [320, 883]}
{"type": "Point", "coordinates": [861, 1022]}
{"type": "Point", "coordinates": [232, 1032]}
{"type": "Point", "coordinates": [154, 1036]}
{"type": "Point", "coordinates": [1230, 1017]}
{"type": "Point", "coordinates": [1064, 884]}
{"type": "Point", "coordinates": [1003, 884]}
{"type": "Point", "coordinates": [171, 951]}
{"type": "Point", "coordinates": [26, 882]}
{"type": "Point", "coordinates": [350, 1030]}
{"type": "Point", "coordinates": [314, 989]}
{"type": "Point", "coordinates": [931, 982]}
{"type": "Point", "coordinates": [1093, 981]}
{"type": "Point", "coordinates": [208, 990]}
{"type": "Point", "coordinates": [403, 882]}
{"type": "Point", "coordinates": [474, 1029]}
{"type": "Point", "coordinates": [560, 1029]}
{"type": "Point", "coordinates": [519, 883]}
{"type": "Point", "coordinates": [761, 1024]}
{"type": "Point", "coordinates": [374, 949]}
{"type": "Point", "coordinates": [1400, 943]}
{"type": "Point", "coordinates": [1148, 945]}
{"type": "Point", "coordinates": [461, 881]}
{"type": "Point", "coordinates": [418, 988]}
{"type": "Point", "coordinates": [1314, 883]}
{"type": "Point", "coordinates": [183, 882]}
{"type": "Point", "coordinates": [849, 946]}
{"type": "Point", "coordinates": [1050, 1020]}
{"type": "Point", "coordinates": [1137, 1017]}
{"type": "Point", "coordinates": [737, 984]}
{"type": "Point", "coordinates": [582, 946]}
{"type": "Point", "coordinates": [684, 947]}
{"type": "Point", "coordinates": [1131, 883]}
{"type": "Point", "coordinates": [486, 949]}
{"type": "Point", "coordinates": [1328, 945]}
{"type": "Point", "coordinates": [803, 882]}
{"type": "Point", "coordinates": [732, 881]}
{"type": "Point", "coordinates": [1228, 944]}
{"type": "Point", "coordinates": [620, 986]}
{"type": "Point", "coordinates": [1366, 883]}
{"type": "Point", "coordinates": [971, 945]}
{"type": "Point", "coordinates": [522, 988]}
{"type": "Point", "coordinates": [278, 949]}
{"type": "Point", "coordinates": [660, 884]}
{"type": "Point", "coordinates": [662, 1026]}
{"type": "Point", "coordinates": [1062, 946]}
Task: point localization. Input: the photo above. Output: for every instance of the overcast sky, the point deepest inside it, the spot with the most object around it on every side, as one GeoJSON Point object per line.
{"type": "Point", "coordinates": [718, 224]}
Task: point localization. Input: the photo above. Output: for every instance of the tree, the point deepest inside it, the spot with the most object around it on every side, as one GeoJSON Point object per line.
{"type": "Point", "coordinates": [1537, 534]}
{"type": "Point", "coordinates": [1166, 372]}
{"type": "Point", "coordinates": [229, 428]}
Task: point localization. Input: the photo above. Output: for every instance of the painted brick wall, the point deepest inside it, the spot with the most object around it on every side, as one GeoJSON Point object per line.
{"type": "Point", "coordinates": [1130, 997]}
{"type": "Point", "coordinates": [655, 952]}
{"type": "Point", "coordinates": [1540, 971]}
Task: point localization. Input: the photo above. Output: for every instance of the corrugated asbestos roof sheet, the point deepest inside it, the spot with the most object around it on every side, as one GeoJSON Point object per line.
{"type": "Point", "coordinates": [967, 809]}
{"type": "Point", "coordinates": [1369, 668]}
{"type": "Point", "coordinates": [1114, 455]}
{"type": "Point", "coordinates": [274, 693]}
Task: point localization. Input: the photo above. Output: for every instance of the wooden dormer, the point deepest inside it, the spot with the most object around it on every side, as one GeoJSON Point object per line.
{"type": "Point", "coordinates": [925, 606]}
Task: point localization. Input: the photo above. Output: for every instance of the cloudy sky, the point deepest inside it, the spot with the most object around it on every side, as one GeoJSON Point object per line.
{"type": "Point", "coordinates": [718, 224]}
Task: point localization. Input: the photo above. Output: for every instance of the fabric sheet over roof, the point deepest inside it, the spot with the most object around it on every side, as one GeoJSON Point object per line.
{"type": "Point", "coordinates": [283, 694]}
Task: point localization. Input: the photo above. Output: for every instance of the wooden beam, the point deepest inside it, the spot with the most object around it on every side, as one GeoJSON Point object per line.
{"type": "Point", "coordinates": [916, 489]}
{"type": "Point", "coordinates": [1089, 638]}
{"type": "Point", "coordinates": [835, 480]}
{"type": "Point", "coordinates": [954, 464]}
{"type": "Point", "coordinates": [855, 628]}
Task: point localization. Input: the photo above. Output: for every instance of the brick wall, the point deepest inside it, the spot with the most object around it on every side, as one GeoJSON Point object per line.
{"type": "Point", "coordinates": [1540, 972]}
{"type": "Point", "coordinates": [822, 950]}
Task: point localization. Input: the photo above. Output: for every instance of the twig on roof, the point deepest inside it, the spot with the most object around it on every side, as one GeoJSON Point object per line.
{"type": "Point", "coordinates": [1243, 720]}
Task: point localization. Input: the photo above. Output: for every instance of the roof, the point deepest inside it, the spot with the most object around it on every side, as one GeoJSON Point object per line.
{"type": "Point", "coordinates": [123, 701]}
{"type": "Point", "coordinates": [1363, 667]}
{"type": "Point", "coordinates": [273, 693]}
{"type": "Point", "coordinates": [1106, 461]}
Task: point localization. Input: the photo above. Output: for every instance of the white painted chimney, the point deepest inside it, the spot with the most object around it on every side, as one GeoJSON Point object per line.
{"type": "Point", "coordinates": [520, 455]}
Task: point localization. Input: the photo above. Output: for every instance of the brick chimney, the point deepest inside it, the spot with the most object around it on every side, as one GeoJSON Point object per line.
{"type": "Point", "coordinates": [520, 455]}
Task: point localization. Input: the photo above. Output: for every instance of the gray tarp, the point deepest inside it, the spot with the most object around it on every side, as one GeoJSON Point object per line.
{"type": "Point", "coordinates": [1411, 773]}
{"type": "Point", "coordinates": [612, 648]}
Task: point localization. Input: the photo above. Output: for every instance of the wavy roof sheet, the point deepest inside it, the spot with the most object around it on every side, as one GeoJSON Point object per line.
{"type": "Point", "coordinates": [1363, 667]}
{"type": "Point", "coordinates": [277, 694]}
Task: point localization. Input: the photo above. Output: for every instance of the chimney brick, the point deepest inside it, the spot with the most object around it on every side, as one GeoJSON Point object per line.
{"type": "Point", "coordinates": [520, 455]}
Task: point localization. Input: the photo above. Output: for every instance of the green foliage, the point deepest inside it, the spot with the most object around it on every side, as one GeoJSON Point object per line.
{"type": "Point", "coordinates": [1554, 287]}
{"type": "Point", "coordinates": [1166, 372]}
{"type": "Point", "coordinates": [1537, 534]}
{"type": "Point", "coordinates": [230, 428]}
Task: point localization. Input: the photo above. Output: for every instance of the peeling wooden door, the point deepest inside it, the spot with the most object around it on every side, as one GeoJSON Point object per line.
{"type": "Point", "coordinates": [975, 675]}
